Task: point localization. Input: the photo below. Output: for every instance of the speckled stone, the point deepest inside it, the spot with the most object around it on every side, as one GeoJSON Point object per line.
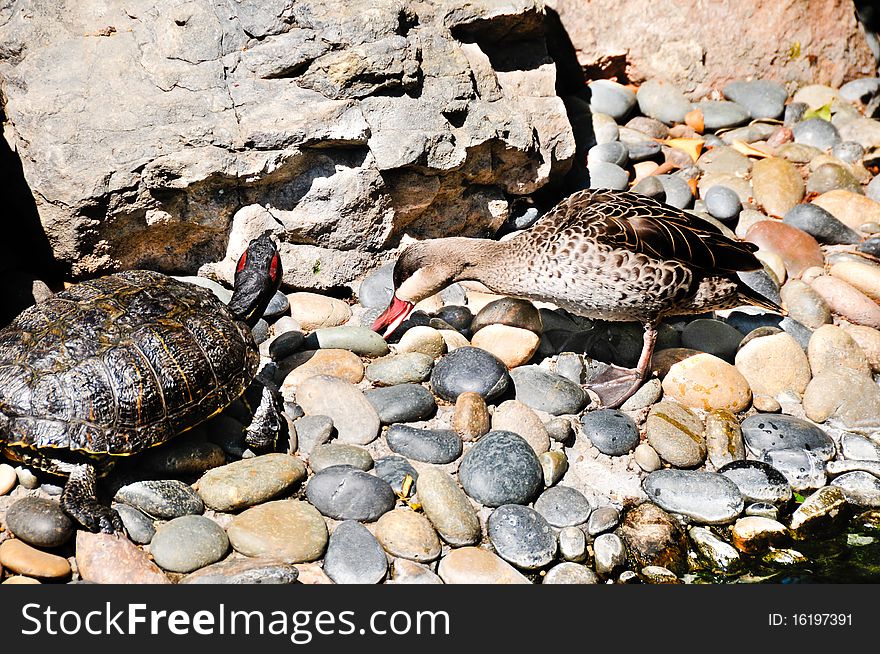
{"type": "Point", "coordinates": [676, 434]}
{"type": "Point", "coordinates": [563, 506]}
{"type": "Point", "coordinates": [860, 488]}
{"type": "Point", "coordinates": [705, 497]}
{"type": "Point", "coordinates": [406, 368]}
{"type": "Point", "coordinates": [469, 369]}
{"type": "Point", "coordinates": [803, 469]}
{"type": "Point", "coordinates": [291, 529]}
{"type": "Point", "coordinates": [758, 481]}
{"type": "Point", "coordinates": [501, 468]}
{"type": "Point", "coordinates": [547, 391]}
{"type": "Point", "coordinates": [409, 535]}
{"type": "Point", "coordinates": [521, 536]}
{"type": "Point", "coordinates": [250, 481]}
{"type": "Point", "coordinates": [39, 522]}
{"type": "Point", "coordinates": [345, 493]}
{"type": "Point", "coordinates": [354, 556]}
{"type": "Point", "coordinates": [264, 570]}
{"type": "Point", "coordinates": [188, 543]}
{"type": "Point", "coordinates": [472, 565]}
{"type": "Point", "coordinates": [163, 498]}
{"type": "Point", "coordinates": [354, 418]}
{"type": "Point", "coordinates": [448, 508]}
{"type": "Point", "coordinates": [402, 403]}
{"type": "Point", "coordinates": [426, 445]}
{"type": "Point", "coordinates": [704, 381]}
{"type": "Point", "coordinates": [766, 433]}
{"type": "Point", "coordinates": [339, 454]}
{"type": "Point", "coordinates": [612, 432]}
{"type": "Point", "coordinates": [138, 525]}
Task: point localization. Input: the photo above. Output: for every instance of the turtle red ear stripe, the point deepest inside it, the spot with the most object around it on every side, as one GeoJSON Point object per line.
{"type": "Point", "coordinates": [274, 267]}
{"type": "Point", "coordinates": [241, 262]}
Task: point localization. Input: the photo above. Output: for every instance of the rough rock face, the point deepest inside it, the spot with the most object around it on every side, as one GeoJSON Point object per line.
{"type": "Point", "coordinates": [693, 44]}
{"type": "Point", "coordinates": [166, 134]}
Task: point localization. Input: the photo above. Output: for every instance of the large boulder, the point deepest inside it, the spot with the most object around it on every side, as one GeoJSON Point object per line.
{"type": "Point", "coordinates": [166, 134]}
{"type": "Point", "coordinates": [696, 45]}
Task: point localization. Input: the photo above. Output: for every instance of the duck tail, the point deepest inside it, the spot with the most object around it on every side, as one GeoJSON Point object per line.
{"type": "Point", "coordinates": [750, 296]}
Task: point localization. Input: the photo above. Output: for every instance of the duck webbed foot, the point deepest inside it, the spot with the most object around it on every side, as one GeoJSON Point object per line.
{"type": "Point", "coordinates": [615, 384]}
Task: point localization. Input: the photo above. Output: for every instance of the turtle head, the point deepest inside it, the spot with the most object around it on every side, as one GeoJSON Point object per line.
{"type": "Point", "coordinates": [257, 277]}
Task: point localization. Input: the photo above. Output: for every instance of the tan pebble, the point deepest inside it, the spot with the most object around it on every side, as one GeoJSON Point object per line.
{"type": "Point", "coordinates": [476, 300]}
{"type": "Point", "coordinates": [302, 365]}
{"type": "Point", "coordinates": [313, 311]}
{"type": "Point", "coordinates": [868, 340]}
{"type": "Point", "coordinates": [706, 382]}
{"type": "Point", "coordinates": [21, 581]}
{"type": "Point", "coordinates": [291, 529]}
{"type": "Point", "coordinates": [448, 508]}
{"type": "Point", "coordinates": [777, 185]}
{"type": "Point", "coordinates": [847, 396]}
{"type": "Point", "coordinates": [18, 556]}
{"type": "Point", "coordinates": [646, 457]}
{"type": "Point", "coordinates": [723, 435]}
{"type": "Point", "coordinates": [453, 339]}
{"type": "Point", "coordinates": [514, 346]}
{"type": "Point", "coordinates": [863, 276]}
{"type": "Point", "coordinates": [424, 339]}
{"type": "Point", "coordinates": [8, 478]}
{"type": "Point", "coordinates": [847, 301]}
{"type": "Point", "coordinates": [852, 209]}
{"type": "Point", "coordinates": [521, 419]}
{"type": "Point", "coordinates": [774, 262]}
{"type": "Point", "coordinates": [311, 574]}
{"type": "Point", "coordinates": [407, 534]}
{"type": "Point", "coordinates": [804, 304]}
{"type": "Point", "coordinates": [471, 418]}
{"type": "Point", "coordinates": [472, 565]}
{"type": "Point", "coordinates": [663, 360]}
{"type": "Point", "coordinates": [832, 348]}
{"type": "Point", "coordinates": [404, 571]}
{"type": "Point", "coordinates": [754, 534]}
{"type": "Point", "coordinates": [554, 464]}
{"type": "Point", "coordinates": [774, 364]}
{"type": "Point", "coordinates": [766, 404]}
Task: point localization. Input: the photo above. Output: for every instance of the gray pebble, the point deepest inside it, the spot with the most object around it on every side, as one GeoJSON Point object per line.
{"type": "Point", "coordinates": [761, 98]}
{"type": "Point", "coordinates": [609, 553]}
{"type": "Point", "coordinates": [501, 468]}
{"type": "Point", "coordinates": [607, 175]}
{"type": "Point", "coordinates": [39, 522]}
{"type": "Point", "coordinates": [819, 223]}
{"type": "Point", "coordinates": [764, 432]}
{"type": "Point", "coordinates": [339, 454]}
{"type": "Point", "coordinates": [394, 470]}
{"type": "Point", "coordinates": [722, 202]}
{"type": "Point", "coordinates": [426, 445]}
{"type": "Point", "coordinates": [162, 498]}
{"type": "Point", "coordinates": [816, 132]}
{"type": "Point", "coordinates": [547, 391]}
{"type": "Point", "coordinates": [603, 519]}
{"type": "Point", "coordinates": [705, 497]}
{"type": "Point", "coordinates": [469, 369]}
{"type": "Point", "coordinates": [607, 97]}
{"type": "Point", "coordinates": [188, 543]}
{"type": "Point", "coordinates": [758, 481]}
{"type": "Point", "coordinates": [345, 493]}
{"type": "Point", "coordinates": [612, 432]}
{"type": "Point", "coordinates": [521, 536]}
{"type": "Point", "coordinates": [139, 525]}
{"type": "Point", "coordinates": [312, 431]}
{"type": "Point", "coordinates": [563, 506]}
{"type": "Point", "coordinates": [402, 403]}
{"type": "Point", "coordinates": [354, 556]}
{"type": "Point", "coordinates": [804, 470]}
{"type": "Point", "coordinates": [377, 288]}
{"type": "Point", "coordinates": [614, 152]}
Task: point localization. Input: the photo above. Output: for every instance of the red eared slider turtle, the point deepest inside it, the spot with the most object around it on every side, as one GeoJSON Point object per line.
{"type": "Point", "coordinates": [112, 366]}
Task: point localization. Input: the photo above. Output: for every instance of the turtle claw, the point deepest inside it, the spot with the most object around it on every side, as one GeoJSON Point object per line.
{"type": "Point", "coordinates": [79, 502]}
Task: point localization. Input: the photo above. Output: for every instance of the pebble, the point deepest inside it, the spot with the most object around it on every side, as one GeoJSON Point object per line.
{"type": "Point", "coordinates": [448, 508]}
{"type": "Point", "coordinates": [761, 98]}
{"type": "Point", "coordinates": [804, 304]}
{"type": "Point", "coordinates": [290, 529]}
{"type": "Point", "coordinates": [847, 301]}
{"type": "Point", "coordinates": [647, 395]}
{"type": "Point", "coordinates": [402, 403]}
{"type": "Point", "coordinates": [516, 417]}
{"type": "Point", "coordinates": [408, 535]}
{"type": "Point", "coordinates": [676, 434]}
{"type": "Point", "coordinates": [563, 506]}
{"type": "Point", "coordinates": [19, 580]}
{"type": "Point", "coordinates": [354, 556]}
{"type": "Point", "coordinates": [303, 365]}
{"type": "Point", "coordinates": [39, 522]}
{"type": "Point", "coordinates": [423, 339]}
{"type": "Point", "coordinates": [554, 465]}
{"type": "Point", "coordinates": [163, 498]}
{"type": "Point", "coordinates": [860, 90]}
{"type": "Point", "coordinates": [138, 525]}
{"type": "Point", "coordinates": [363, 341]}
{"type": "Point", "coordinates": [799, 250]}
{"type": "Point", "coordinates": [611, 98]}
{"type": "Point", "coordinates": [285, 344]}
{"type": "Point", "coordinates": [653, 574]}
{"type": "Point", "coordinates": [662, 101]}
{"type": "Point", "coordinates": [704, 381]}
{"type": "Point", "coordinates": [394, 469]}
{"type": "Point", "coordinates": [722, 114]}
{"type": "Point", "coordinates": [712, 336]}
{"type": "Point", "coordinates": [609, 553]}
{"type": "Point", "coordinates": [377, 288]}
{"type": "Point", "coordinates": [724, 159]}
{"type": "Point", "coordinates": [714, 551]}
{"type": "Point", "coordinates": [8, 478]}
{"type": "Point", "coordinates": [852, 209]}
{"type": "Point", "coordinates": [821, 513]}
{"type": "Point", "coordinates": [774, 364]}
{"type": "Point", "coordinates": [266, 570]}
{"type": "Point", "coordinates": [469, 369]}
{"type": "Point", "coordinates": [863, 276]}
{"type": "Point", "coordinates": [646, 458]}
{"type": "Point", "coordinates": [406, 368]}
{"type": "Point", "coordinates": [610, 431]}
{"type": "Point", "coordinates": [650, 187]}
{"type": "Point", "coordinates": [183, 457]}
{"type": "Point", "coordinates": [860, 488]}
{"type": "Point", "coordinates": [816, 132]}
{"type": "Point", "coordinates": [354, 418]}
{"type": "Point", "coordinates": [521, 536]}
{"type": "Point", "coordinates": [312, 431]}
{"type": "Point", "coordinates": [339, 454]}
{"type": "Point", "coordinates": [278, 306]}
{"type": "Point", "coordinates": [832, 348]}
{"type": "Point", "coordinates": [458, 316]}
{"type": "Point", "coordinates": [472, 565]}
{"type": "Point", "coordinates": [572, 544]}
{"type": "Point", "coordinates": [607, 175]}
{"type": "Point", "coordinates": [512, 346]}
{"type": "Point", "coordinates": [547, 391]}
{"type": "Point", "coordinates": [758, 481]}
{"type": "Point", "coordinates": [603, 519]}
{"type": "Point", "coordinates": [426, 445]}
{"type": "Point", "coordinates": [188, 543]}
{"type": "Point", "coordinates": [803, 469]}
{"type": "Point", "coordinates": [408, 572]}
{"type": "Point", "coordinates": [831, 176]}
{"type": "Point", "coordinates": [251, 481]}
{"type": "Point", "coordinates": [705, 497]}
{"type": "Point", "coordinates": [501, 468]}
{"type": "Point", "coordinates": [777, 185]}
{"type": "Point", "coordinates": [570, 573]}
{"type": "Point", "coordinates": [560, 430]}
{"type": "Point", "coordinates": [678, 193]}
{"type": "Point", "coordinates": [453, 339]}
{"type": "Point", "coordinates": [109, 559]}
{"type": "Point", "coordinates": [724, 443]}
{"type": "Point", "coordinates": [19, 557]}
{"type": "Point", "coordinates": [766, 433]}
{"type": "Point", "coordinates": [471, 418]}
{"type": "Point", "coordinates": [313, 311]}
{"type": "Point", "coordinates": [753, 534]}
{"type": "Point", "coordinates": [859, 448]}
{"type": "Point", "coordinates": [722, 203]}
{"type": "Point", "coordinates": [762, 510]}
{"type": "Point", "coordinates": [614, 152]}
{"type": "Point", "coordinates": [842, 467]}
{"type": "Point", "coordinates": [343, 492]}
{"type": "Point", "coordinates": [820, 224]}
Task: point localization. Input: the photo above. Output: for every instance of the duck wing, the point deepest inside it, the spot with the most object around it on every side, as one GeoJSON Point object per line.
{"type": "Point", "coordinates": [624, 220]}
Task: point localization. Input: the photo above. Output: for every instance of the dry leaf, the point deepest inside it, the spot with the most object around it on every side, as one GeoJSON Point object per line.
{"type": "Point", "coordinates": [694, 120]}
{"type": "Point", "coordinates": [692, 146]}
{"type": "Point", "coordinates": [744, 148]}
{"type": "Point", "coordinates": [692, 183]}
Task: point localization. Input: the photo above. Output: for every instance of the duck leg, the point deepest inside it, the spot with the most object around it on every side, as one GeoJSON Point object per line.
{"type": "Point", "coordinates": [79, 501]}
{"type": "Point", "coordinates": [616, 384]}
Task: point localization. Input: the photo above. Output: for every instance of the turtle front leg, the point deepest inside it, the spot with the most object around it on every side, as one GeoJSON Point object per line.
{"type": "Point", "coordinates": [79, 500]}
{"type": "Point", "coordinates": [263, 431]}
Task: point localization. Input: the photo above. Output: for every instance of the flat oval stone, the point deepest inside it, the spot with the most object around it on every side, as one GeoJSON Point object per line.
{"type": "Point", "coordinates": [394, 470]}
{"type": "Point", "coordinates": [724, 159]}
{"type": "Point", "coordinates": [547, 391]}
{"type": "Point", "coordinates": [777, 185]}
{"type": "Point", "coordinates": [705, 497]}
{"type": "Point", "coordinates": [821, 225]}
{"type": "Point", "coordinates": [19, 557]}
{"type": "Point", "coordinates": [646, 458]}
{"type": "Point", "coordinates": [501, 468]}
{"type": "Point", "coordinates": [608, 97]}
{"type": "Point", "coordinates": [313, 311]}
{"type": "Point", "coordinates": [469, 369]}
{"type": "Point", "coordinates": [570, 573]}
{"type": "Point", "coordinates": [363, 341]}
{"type": "Point", "coordinates": [354, 556]}
{"type": "Point", "coordinates": [406, 368]}
{"type": "Point", "coordinates": [758, 481]}
{"type": "Point", "coordinates": [723, 435]}
{"type": "Point", "coordinates": [803, 469]}
{"type": "Point", "coordinates": [161, 498]}
{"type": "Point", "coordinates": [722, 114]}
{"type": "Point", "coordinates": [722, 203]}
{"type": "Point", "coordinates": [250, 481]}
{"type": "Point", "coordinates": [424, 339]}
{"type": "Point", "coordinates": [471, 418]}
{"type": "Point", "coordinates": [408, 535]}
{"type": "Point", "coordinates": [774, 364]}
{"type": "Point", "coordinates": [563, 506]}
{"type": "Point", "coordinates": [511, 345]}
{"type": "Point", "coordinates": [766, 433]}
{"type": "Point", "coordinates": [516, 417]}
{"type": "Point", "coordinates": [816, 132]}
{"type": "Point", "coordinates": [861, 275]}
{"type": "Point", "coordinates": [663, 101]}
{"type": "Point", "coordinates": [603, 519]}
{"type": "Point", "coordinates": [355, 419]}
{"type": "Point", "coordinates": [612, 432]}
{"type": "Point", "coordinates": [427, 445]}
{"type": "Point", "coordinates": [607, 175]}
{"type": "Point", "coordinates": [676, 434]}
{"type": "Point", "coordinates": [804, 304]}
{"type": "Point", "coordinates": [109, 559]}
{"type": "Point", "coordinates": [614, 152]}
{"type": "Point", "coordinates": [39, 522]}
{"type": "Point", "coordinates": [264, 570]}
{"type": "Point", "coordinates": [704, 381]}
{"type": "Point", "coordinates": [290, 529]}
{"type": "Point", "coordinates": [338, 454]}
{"type": "Point", "coordinates": [188, 543]}
{"type": "Point", "coordinates": [346, 493]}
{"type": "Point", "coordinates": [473, 565]}
{"type": "Point", "coordinates": [310, 363]}
{"type": "Point", "coordinates": [138, 525]}
{"type": "Point", "coordinates": [448, 508]}
{"type": "Point", "coordinates": [402, 403]}
{"type": "Point", "coordinates": [521, 536]}
{"type": "Point", "coordinates": [761, 98]}
{"type": "Point", "coordinates": [859, 448]}
{"type": "Point", "coordinates": [798, 249]}
{"type": "Point", "coordinates": [847, 301]}
{"type": "Point", "coordinates": [860, 488]}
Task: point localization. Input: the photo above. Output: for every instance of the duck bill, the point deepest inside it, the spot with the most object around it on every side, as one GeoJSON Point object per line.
{"type": "Point", "coordinates": [390, 320]}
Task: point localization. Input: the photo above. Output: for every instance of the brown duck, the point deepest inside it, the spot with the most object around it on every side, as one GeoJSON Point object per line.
{"type": "Point", "coordinates": [601, 254]}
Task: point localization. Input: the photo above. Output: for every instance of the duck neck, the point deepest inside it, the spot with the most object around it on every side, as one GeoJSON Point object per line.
{"type": "Point", "coordinates": [473, 257]}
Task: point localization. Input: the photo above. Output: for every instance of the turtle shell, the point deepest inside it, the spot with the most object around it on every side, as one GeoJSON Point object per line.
{"type": "Point", "coordinates": [118, 364]}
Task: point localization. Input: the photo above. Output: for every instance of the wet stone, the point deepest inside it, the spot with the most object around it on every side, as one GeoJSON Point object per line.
{"type": "Point", "coordinates": [188, 543]}
{"type": "Point", "coordinates": [501, 468]}
{"type": "Point", "coordinates": [448, 508]}
{"type": "Point", "coordinates": [761, 98]}
{"type": "Point", "coordinates": [723, 435]}
{"type": "Point", "coordinates": [609, 553]}
{"type": "Point", "coordinates": [521, 536]}
{"type": "Point", "coordinates": [363, 341]}
{"type": "Point", "coordinates": [402, 403]}
{"type": "Point", "coordinates": [250, 481]}
{"type": "Point", "coordinates": [406, 368]}
{"type": "Point", "coordinates": [765, 433]}
{"type": "Point", "coordinates": [138, 525]}
{"type": "Point", "coordinates": [860, 488]}
{"type": "Point", "coordinates": [676, 434]}
{"type": "Point", "coordinates": [859, 448]}
{"type": "Point", "coordinates": [312, 431]}
{"type": "Point", "coordinates": [705, 497]}
{"type": "Point", "coordinates": [547, 391]}
{"type": "Point", "coordinates": [339, 454]}
{"type": "Point", "coordinates": [409, 535]}
{"type": "Point", "coordinates": [753, 534]}
{"type": "Point", "coordinates": [394, 470]}
{"type": "Point", "coordinates": [469, 369]}
{"type": "Point", "coordinates": [164, 498]}
{"type": "Point", "coordinates": [426, 445]}
{"type": "Point", "coordinates": [816, 132]}
{"type": "Point", "coordinates": [343, 492]}
{"type": "Point", "coordinates": [612, 432]}
{"type": "Point", "coordinates": [39, 522]}
{"type": "Point", "coordinates": [822, 513]}
{"type": "Point", "coordinates": [804, 470]}
{"type": "Point", "coordinates": [563, 506]}
{"type": "Point", "coordinates": [290, 529]}
{"type": "Point", "coordinates": [758, 481]}
{"type": "Point", "coordinates": [762, 510]}
{"type": "Point", "coordinates": [245, 571]}
{"type": "Point", "coordinates": [718, 554]}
